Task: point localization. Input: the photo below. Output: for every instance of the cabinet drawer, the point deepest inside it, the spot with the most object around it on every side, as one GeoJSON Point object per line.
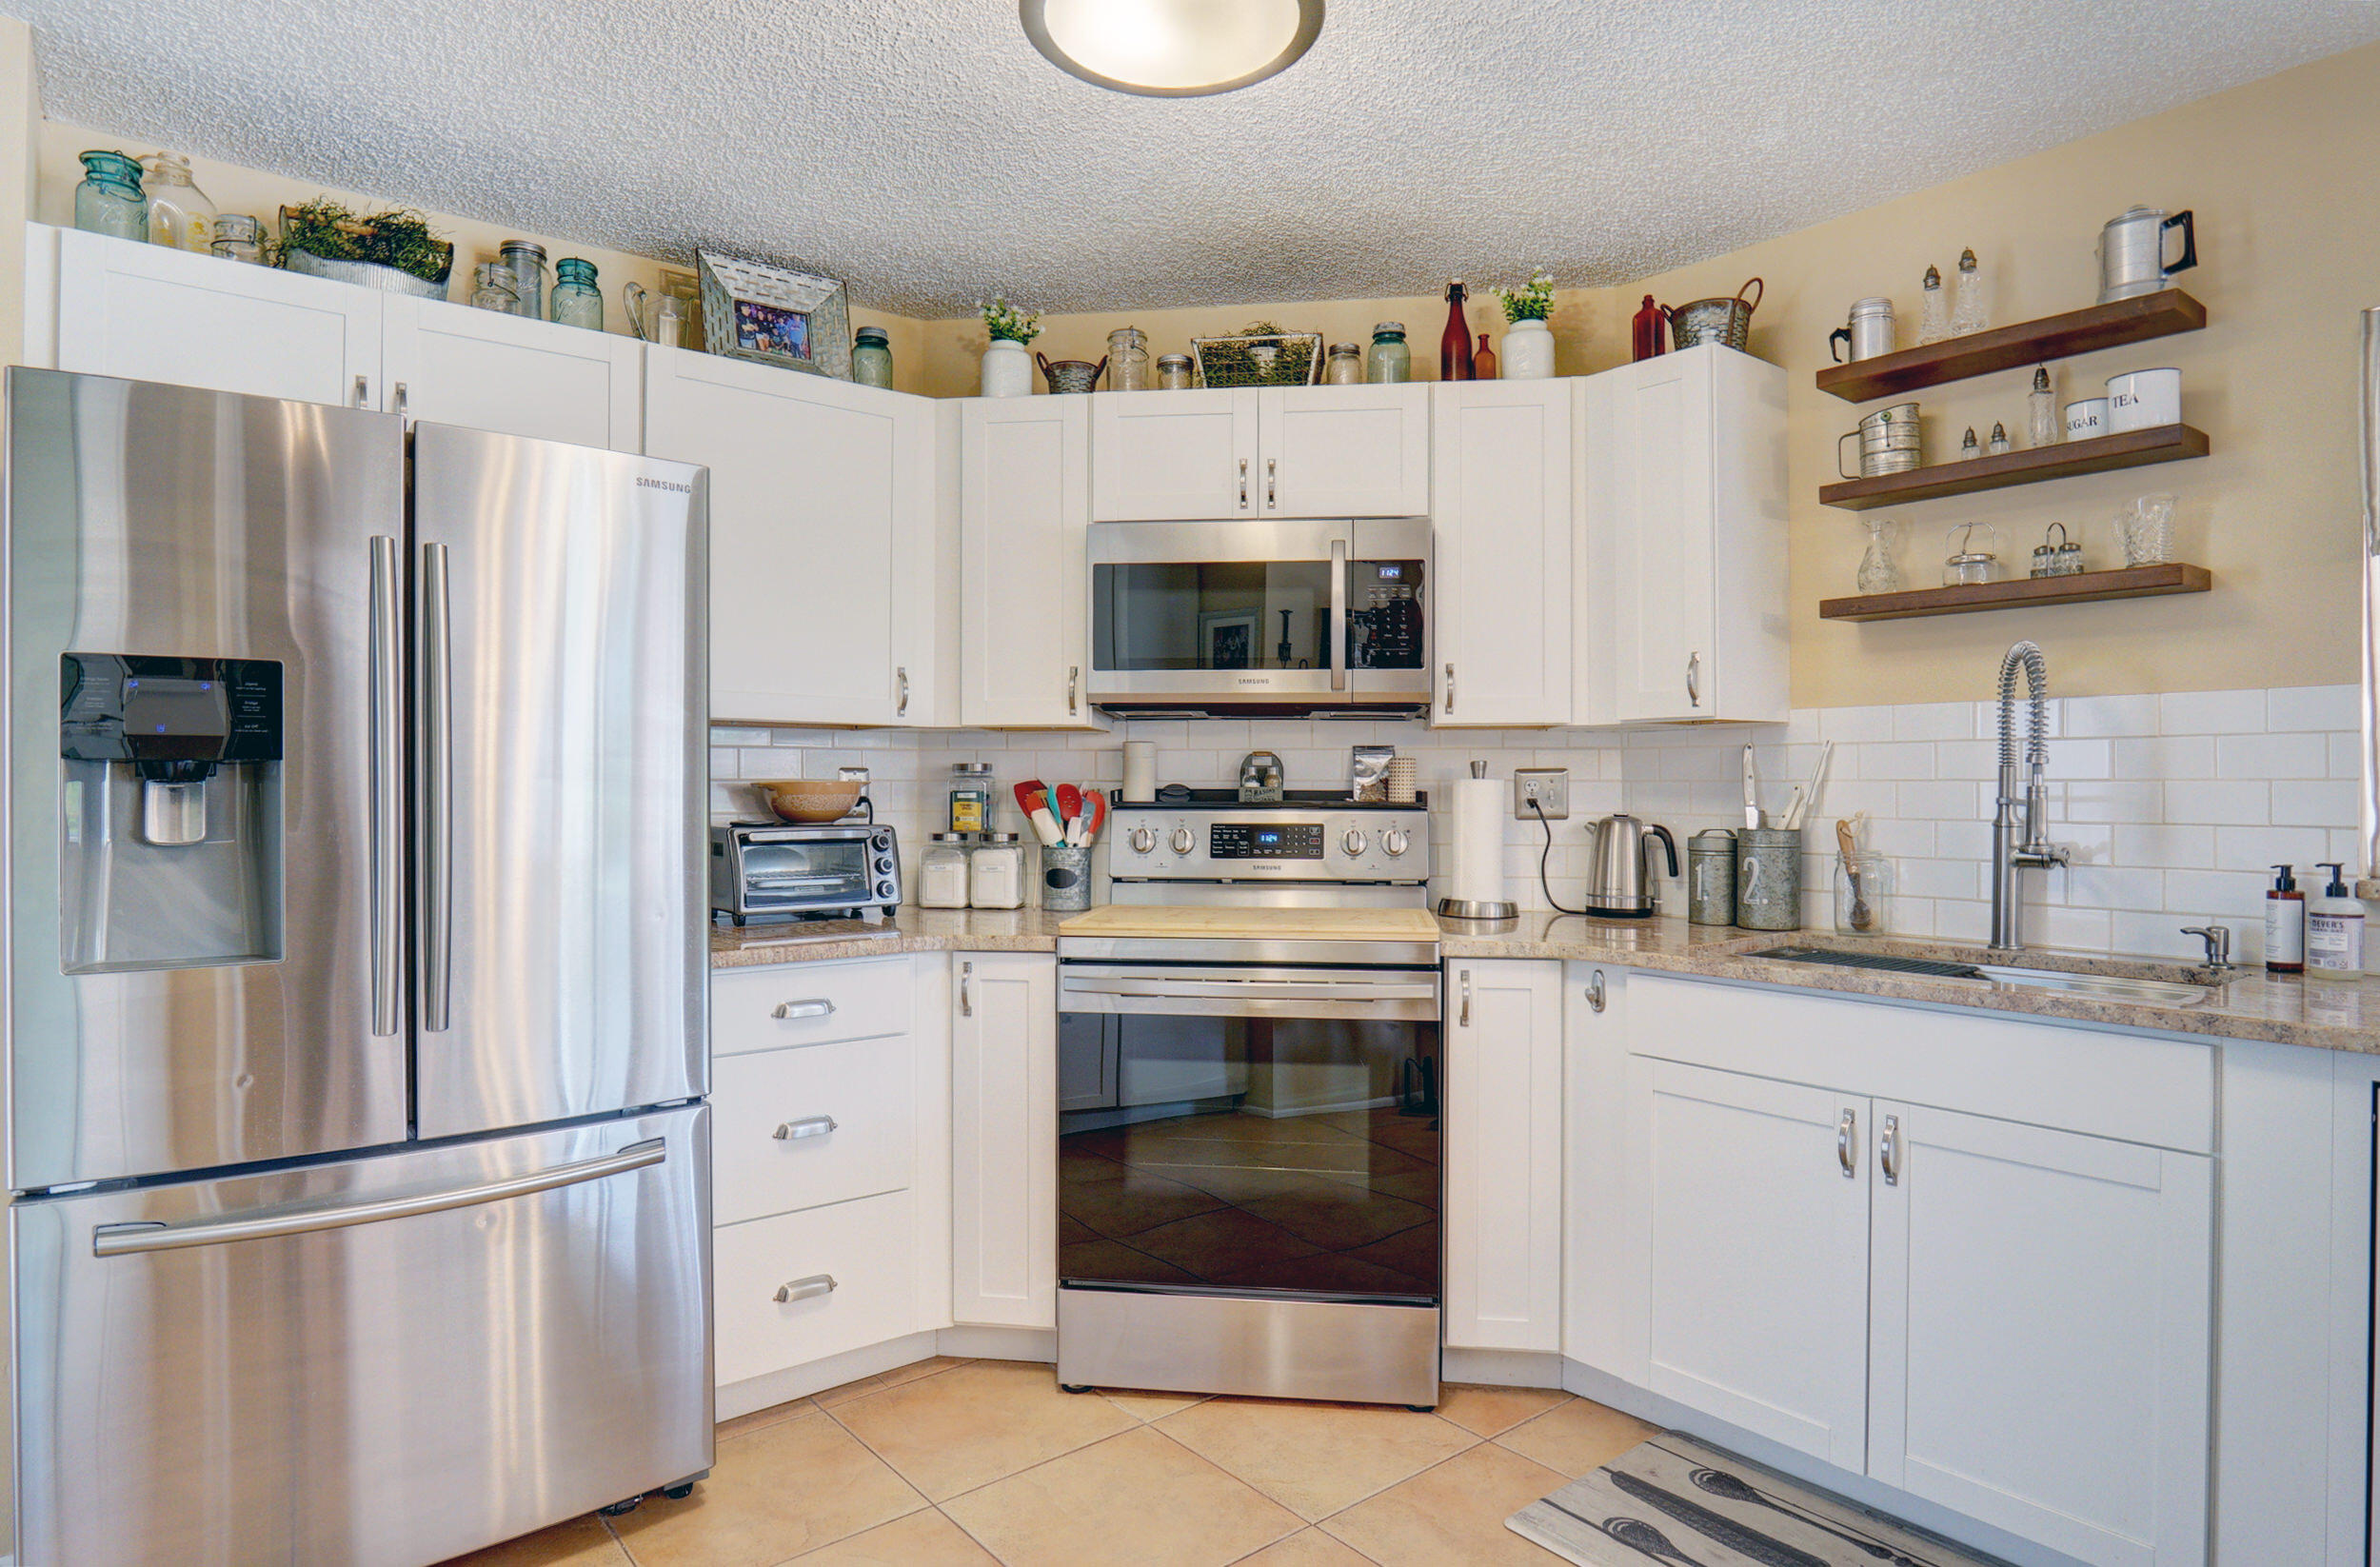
{"type": "Point", "coordinates": [865, 1088]}
{"type": "Point", "coordinates": [824, 1003]}
{"type": "Point", "coordinates": [866, 1247]}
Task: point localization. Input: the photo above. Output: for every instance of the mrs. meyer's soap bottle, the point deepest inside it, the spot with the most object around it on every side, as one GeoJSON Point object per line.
{"type": "Point", "coordinates": [2334, 931]}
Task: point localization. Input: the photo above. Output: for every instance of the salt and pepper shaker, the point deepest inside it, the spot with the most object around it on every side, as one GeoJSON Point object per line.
{"type": "Point", "coordinates": [1967, 311]}
{"type": "Point", "coordinates": [2041, 410]}
{"type": "Point", "coordinates": [1969, 448]}
{"type": "Point", "coordinates": [1999, 440]}
{"type": "Point", "coordinates": [1933, 318]}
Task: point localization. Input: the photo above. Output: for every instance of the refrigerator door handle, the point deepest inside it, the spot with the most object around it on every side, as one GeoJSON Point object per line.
{"type": "Point", "coordinates": [436, 703]}
{"type": "Point", "coordinates": [265, 1223]}
{"type": "Point", "coordinates": [387, 785]}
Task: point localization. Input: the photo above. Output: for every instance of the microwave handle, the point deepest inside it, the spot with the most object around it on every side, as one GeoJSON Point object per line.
{"type": "Point", "coordinates": [1338, 614]}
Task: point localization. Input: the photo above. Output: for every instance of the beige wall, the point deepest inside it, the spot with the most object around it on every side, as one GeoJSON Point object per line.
{"type": "Point", "coordinates": [20, 109]}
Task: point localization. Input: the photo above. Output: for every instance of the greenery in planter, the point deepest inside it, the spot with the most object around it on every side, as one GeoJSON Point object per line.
{"type": "Point", "coordinates": [1532, 301]}
{"type": "Point", "coordinates": [1234, 360]}
{"type": "Point", "coordinates": [1006, 323]}
{"type": "Point", "coordinates": [401, 239]}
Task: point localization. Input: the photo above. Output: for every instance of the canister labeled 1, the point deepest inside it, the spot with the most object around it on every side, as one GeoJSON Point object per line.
{"type": "Point", "coordinates": [1710, 878]}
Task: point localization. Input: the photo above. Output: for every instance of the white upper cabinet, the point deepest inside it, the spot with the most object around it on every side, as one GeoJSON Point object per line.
{"type": "Point", "coordinates": [822, 498]}
{"type": "Point", "coordinates": [1502, 488]}
{"type": "Point", "coordinates": [1284, 452]}
{"type": "Point", "coordinates": [483, 370]}
{"type": "Point", "coordinates": [144, 312]}
{"type": "Point", "coordinates": [1503, 1075]}
{"type": "Point", "coordinates": [1024, 509]}
{"type": "Point", "coordinates": [1682, 570]}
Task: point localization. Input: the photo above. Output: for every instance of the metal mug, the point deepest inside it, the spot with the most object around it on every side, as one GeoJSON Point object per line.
{"type": "Point", "coordinates": [1869, 335]}
{"type": "Point", "coordinates": [2132, 252]}
{"type": "Point", "coordinates": [1888, 442]}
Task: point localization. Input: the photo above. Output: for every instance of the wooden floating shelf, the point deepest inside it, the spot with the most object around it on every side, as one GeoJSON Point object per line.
{"type": "Point", "coordinates": [2139, 581]}
{"type": "Point", "coordinates": [2134, 320]}
{"type": "Point", "coordinates": [2102, 455]}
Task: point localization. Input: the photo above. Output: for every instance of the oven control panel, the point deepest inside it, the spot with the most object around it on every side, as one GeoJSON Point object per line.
{"type": "Point", "coordinates": [1304, 840]}
{"type": "Point", "coordinates": [1264, 840]}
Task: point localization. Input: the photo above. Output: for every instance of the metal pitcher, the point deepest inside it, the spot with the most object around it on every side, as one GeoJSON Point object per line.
{"type": "Point", "coordinates": [1619, 883]}
{"type": "Point", "coordinates": [2132, 251]}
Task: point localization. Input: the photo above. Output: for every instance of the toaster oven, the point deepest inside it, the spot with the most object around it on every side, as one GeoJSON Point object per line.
{"type": "Point", "coordinates": [775, 870]}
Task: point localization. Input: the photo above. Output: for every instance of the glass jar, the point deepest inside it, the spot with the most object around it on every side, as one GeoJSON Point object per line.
{"type": "Point", "coordinates": [577, 302]}
{"type": "Point", "coordinates": [238, 237]}
{"type": "Point", "coordinates": [871, 357]}
{"type": "Point", "coordinates": [1173, 372]}
{"type": "Point", "coordinates": [1863, 893]}
{"type": "Point", "coordinates": [494, 287]}
{"type": "Point", "coordinates": [942, 872]}
{"type": "Point", "coordinates": [110, 200]}
{"type": "Point", "coordinates": [1344, 366]}
{"type": "Point", "coordinates": [1390, 360]}
{"type": "Point", "coordinates": [1127, 360]}
{"type": "Point", "coordinates": [995, 872]}
{"type": "Point", "coordinates": [528, 262]}
{"type": "Point", "coordinates": [970, 798]}
{"type": "Point", "coordinates": [180, 216]}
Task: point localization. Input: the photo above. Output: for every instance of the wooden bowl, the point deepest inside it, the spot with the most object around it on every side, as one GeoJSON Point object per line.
{"type": "Point", "coordinates": [809, 800]}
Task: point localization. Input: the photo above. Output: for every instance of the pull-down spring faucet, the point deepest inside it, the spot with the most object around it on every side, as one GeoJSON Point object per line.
{"type": "Point", "coordinates": [2019, 844]}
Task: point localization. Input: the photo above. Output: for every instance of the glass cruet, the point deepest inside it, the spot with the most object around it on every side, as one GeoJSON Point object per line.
{"type": "Point", "coordinates": [1878, 572]}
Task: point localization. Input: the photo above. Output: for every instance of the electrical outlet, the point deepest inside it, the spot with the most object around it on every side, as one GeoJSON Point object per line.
{"type": "Point", "coordinates": [1540, 788]}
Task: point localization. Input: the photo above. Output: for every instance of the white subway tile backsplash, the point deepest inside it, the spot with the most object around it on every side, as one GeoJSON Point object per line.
{"type": "Point", "coordinates": [2313, 707]}
{"type": "Point", "coordinates": [2225, 803]}
{"type": "Point", "coordinates": [2314, 802]}
{"type": "Point", "coordinates": [1942, 801]}
{"type": "Point", "coordinates": [1935, 721]}
{"type": "Point", "coordinates": [2250, 849]}
{"type": "Point", "coordinates": [2211, 712]}
{"type": "Point", "coordinates": [1913, 760]}
{"type": "Point", "coordinates": [2272, 756]}
{"type": "Point", "coordinates": [2163, 846]}
{"type": "Point", "coordinates": [2089, 717]}
{"type": "Point", "coordinates": [2169, 755]}
{"type": "Point", "coordinates": [1855, 725]}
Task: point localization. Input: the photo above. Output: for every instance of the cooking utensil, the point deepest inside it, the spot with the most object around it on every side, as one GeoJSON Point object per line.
{"type": "Point", "coordinates": [1069, 803]}
{"type": "Point", "coordinates": [1712, 1525]}
{"type": "Point", "coordinates": [809, 800]}
{"type": "Point", "coordinates": [1753, 815]}
{"type": "Point", "coordinates": [1097, 800]}
{"type": "Point", "coordinates": [1619, 885]}
{"type": "Point", "coordinates": [1736, 1488]}
{"type": "Point", "coordinates": [1643, 1538]}
{"type": "Point", "coordinates": [1806, 800]}
{"type": "Point", "coordinates": [1862, 916]}
{"type": "Point", "coordinates": [2132, 251]}
{"type": "Point", "coordinates": [1722, 321]}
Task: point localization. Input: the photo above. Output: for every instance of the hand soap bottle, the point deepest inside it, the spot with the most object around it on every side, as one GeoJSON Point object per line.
{"type": "Point", "coordinates": [2283, 924]}
{"type": "Point", "coordinates": [2334, 931]}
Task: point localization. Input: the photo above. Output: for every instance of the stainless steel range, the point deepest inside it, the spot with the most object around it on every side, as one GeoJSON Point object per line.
{"type": "Point", "coordinates": [1249, 1189]}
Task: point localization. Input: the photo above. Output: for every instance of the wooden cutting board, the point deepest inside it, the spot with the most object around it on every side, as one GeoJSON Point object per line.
{"type": "Point", "coordinates": [1341, 925]}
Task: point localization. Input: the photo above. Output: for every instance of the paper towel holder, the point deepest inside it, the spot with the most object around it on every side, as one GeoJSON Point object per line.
{"type": "Point", "coordinates": [1476, 908]}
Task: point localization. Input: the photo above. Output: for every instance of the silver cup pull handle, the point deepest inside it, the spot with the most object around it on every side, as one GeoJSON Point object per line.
{"type": "Point", "coordinates": [1243, 484]}
{"type": "Point", "coordinates": [804, 1289]}
{"type": "Point", "coordinates": [816, 1008]}
{"type": "Point", "coordinates": [793, 1131]}
{"type": "Point", "coordinates": [1889, 1152]}
{"type": "Point", "coordinates": [1693, 680]}
{"type": "Point", "coordinates": [1846, 1134]}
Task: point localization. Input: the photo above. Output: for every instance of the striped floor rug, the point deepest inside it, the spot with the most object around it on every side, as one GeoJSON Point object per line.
{"type": "Point", "coordinates": [1673, 1502]}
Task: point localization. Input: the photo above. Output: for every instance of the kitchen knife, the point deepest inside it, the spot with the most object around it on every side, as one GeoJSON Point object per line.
{"type": "Point", "coordinates": [1752, 799]}
{"type": "Point", "coordinates": [1806, 800]}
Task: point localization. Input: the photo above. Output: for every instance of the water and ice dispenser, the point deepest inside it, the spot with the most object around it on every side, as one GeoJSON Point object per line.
{"type": "Point", "coordinates": [170, 832]}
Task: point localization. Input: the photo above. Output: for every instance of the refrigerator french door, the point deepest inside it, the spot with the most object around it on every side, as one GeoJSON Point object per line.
{"type": "Point", "coordinates": [357, 1157]}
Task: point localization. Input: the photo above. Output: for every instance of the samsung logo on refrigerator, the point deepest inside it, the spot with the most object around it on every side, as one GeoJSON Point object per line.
{"type": "Point", "coordinates": [670, 485]}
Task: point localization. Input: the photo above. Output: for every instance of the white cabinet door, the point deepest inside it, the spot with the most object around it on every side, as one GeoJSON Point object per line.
{"type": "Point", "coordinates": [1023, 511]}
{"type": "Point", "coordinates": [451, 365]}
{"type": "Point", "coordinates": [818, 489]}
{"type": "Point", "coordinates": [147, 313]}
{"type": "Point", "coordinates": [1603, 1321]}
{"type": "Point", "coordinates": [1751, 1205]}
{"type": "Point", "coordinates": [1344, 451]}
{"type": "Point", "coordinates": [1501, 502]}
{"type": "Point", "coordinates": [1004, 1140]}
{"type": "Point", "coordinates": [1503, 1122]}
{"type": "Point", "coordinates": [2041, 1333]}
{"type": "Point", "coordinates": [1173, 456]}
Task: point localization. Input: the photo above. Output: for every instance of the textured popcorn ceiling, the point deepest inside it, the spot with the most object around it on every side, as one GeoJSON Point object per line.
{"type": "Point", "coordinates": [924, 150]}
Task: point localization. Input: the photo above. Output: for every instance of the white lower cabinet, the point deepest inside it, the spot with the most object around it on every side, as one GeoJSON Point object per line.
{"type": "Point", "coordinates": [809, 1125]}
{"type": "Point", "coordinates": [1004, 1139]}
{"type": "Point", "coordinates": [1502, 1111]}
{"type": "Point", "coordinates": [801, 1287]}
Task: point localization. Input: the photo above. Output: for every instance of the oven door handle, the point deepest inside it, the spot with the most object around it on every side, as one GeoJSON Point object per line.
{"type": "Point", "coordinates": [1255, 990]}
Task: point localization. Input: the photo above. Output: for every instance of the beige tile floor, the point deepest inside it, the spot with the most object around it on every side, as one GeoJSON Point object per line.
{"type": "Point", "coordinates": [971, 1463]}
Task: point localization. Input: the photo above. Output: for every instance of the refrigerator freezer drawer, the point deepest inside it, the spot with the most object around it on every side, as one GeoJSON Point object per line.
{"type": "Point", "coordinates": [847, 1277]}
{"type": "Point", "coordinates": [389, 1361]}
{"type": "Point", "coordinates": [803, 1128]}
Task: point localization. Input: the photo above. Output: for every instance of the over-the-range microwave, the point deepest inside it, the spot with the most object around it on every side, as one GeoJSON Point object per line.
{"type": "Point", "coordinates": [1261, 615]}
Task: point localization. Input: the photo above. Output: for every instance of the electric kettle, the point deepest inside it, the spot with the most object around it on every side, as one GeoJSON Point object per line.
{"type": "Point", "coordinates": [1620, 885]}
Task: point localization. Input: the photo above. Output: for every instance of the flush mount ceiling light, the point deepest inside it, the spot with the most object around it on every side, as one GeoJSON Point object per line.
{"type": "Point", "coordinates": [1172, 48]}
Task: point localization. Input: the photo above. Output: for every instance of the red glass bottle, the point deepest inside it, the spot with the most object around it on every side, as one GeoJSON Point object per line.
{"type": "Point", "coordinates": [1453, 345]}
{"type": "Point", "coordinates": [1483, 361]}
{"type": "Point", "coordinates": [1647, 332]}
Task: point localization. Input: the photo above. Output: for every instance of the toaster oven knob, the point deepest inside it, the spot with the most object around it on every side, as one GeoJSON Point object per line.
{"type": "Point", "coordinates": [1143, 840]}
{"type": "Point", "coordinates": [880, 842]}
{"type": "Point", "coordinates": [1394, 842]}
{"type": "Point", "coordinates": [884, 888]}
{"type": "Point", "coordinates": [1355, 842]}
{"type": "Point", "coordinates": [884, 864]}
{"type": "Point", "coordinates": [1182, 842]}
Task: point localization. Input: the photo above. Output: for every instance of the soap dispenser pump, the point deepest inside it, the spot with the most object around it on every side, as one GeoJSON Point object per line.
{"type": "Point", "coordinates": [2334, 930]}
{"type": "Point", "coordinates": [2284, 924]}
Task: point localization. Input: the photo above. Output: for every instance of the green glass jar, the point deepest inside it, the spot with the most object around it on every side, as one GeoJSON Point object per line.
{"type": "Point", "coordinates": [576, 300]}
{"type": "Point", "coordinates": [110, 200]}
{"type": "Point", "coordinates": [871, 357]}
{"type": "Point", "coordinates": [1388, 359]}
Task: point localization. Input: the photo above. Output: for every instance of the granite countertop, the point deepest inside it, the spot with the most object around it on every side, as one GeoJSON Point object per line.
{"type": "Point", "coordinates": [2246, 1004]}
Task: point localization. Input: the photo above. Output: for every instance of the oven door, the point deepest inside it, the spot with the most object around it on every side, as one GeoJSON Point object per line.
{"type": "Point", "coordinates": [1243, 1130]}
{"type": "Point", "coordinates": [1260, 613]}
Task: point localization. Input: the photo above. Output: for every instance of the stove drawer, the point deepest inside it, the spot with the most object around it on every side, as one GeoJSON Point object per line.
{"type": "Point", "coordinates": [808, 1003]}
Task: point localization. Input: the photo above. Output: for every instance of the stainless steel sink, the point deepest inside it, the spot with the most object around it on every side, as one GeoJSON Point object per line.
{"type": "Point", "coordinates": [1954, 964]}
{"type": "Point", "coordinates": [2113, 987]}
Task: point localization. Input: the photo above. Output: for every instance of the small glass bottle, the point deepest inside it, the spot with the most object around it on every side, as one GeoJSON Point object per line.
{"type": "Point", "coordinates": [970, 798]}
{"type": "Point", "coordinates": [1389, 361]}
{"type": "Point", "coordinates": [1933, 316]}
{"type": "Point", "coordinates": [871, 357]}
{"type": "Point", "coordinates": [995, 872]}
{"type": "Point", "coordinates": [1175, 372]}
{"type": "Point", "coordinates": [238, 237]}
{"type": "Point", "coordinates": [1344, 366]}
{"type": "Point", "coordinates": [1878, 572]}
{"type": "Point", "coordinates": [180, 215]}
{"type": "Point", "coordinates": [110, 200]}
{"type": "Point", "coordinates": [494, 287]}
{"type": "Point", "coordinates": [1863, 893]}
{"type": "Point", "coordinates": [1454, 344]}
{"type": "Point", "coordinates": [2041, 410]}
{"type": "Point", "coordinates": [1968, 312]}
{"type": "Point", "coordinates": [1127, 360]}
{"type": "Point", "coordinates": [577, 302]}
{"type": "Point", "coordinates": [942, 872]}
{"type": "Point", "coordinates": [1483, 362]}
{"type": "Point", "coordinates": [528, 262]}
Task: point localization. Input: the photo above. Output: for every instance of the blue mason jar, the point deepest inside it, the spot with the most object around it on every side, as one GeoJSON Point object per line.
{"type": "Point", "coordinates": [871, 358]}
{"type": "Point", "coordinates": [576, 300]}
{"type": "Point", "coordinates": [110, 200]}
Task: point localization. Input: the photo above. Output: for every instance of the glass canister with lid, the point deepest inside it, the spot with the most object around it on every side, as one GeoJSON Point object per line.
{"type": "Point", "coordinates": [1173, 372]}
{"type": "Point", "coordinates": [494, 287]}
{"type": "Point", "coordinates": [1127, 360]}
{"type": "Point", "coordinates": [179, 213]}
{"type": "Point", "coordinates": [110, 200]}
{"type": "Point", "coordinates": [238, 237]}
{"type": "Point", "coordinates": [527, 261]}
{"type": "Point", "coordinates": [1345, 365]}
{"type": "Point", "coordinates": [942, 872]}
{"type": "Point", "coordinates": [995, 872]}
{"type": "Point", "coordinates": [871, 357]}
{"type": "Point", "coordinates": [577, 301]}
{"type": "Point", "coordinates": [970, 798]}
{"type": "Point", "coordinates": [1389, 360]}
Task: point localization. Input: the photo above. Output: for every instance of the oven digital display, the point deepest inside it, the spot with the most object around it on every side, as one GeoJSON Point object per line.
{"type": "Point", "coordinates": [1265, 841]}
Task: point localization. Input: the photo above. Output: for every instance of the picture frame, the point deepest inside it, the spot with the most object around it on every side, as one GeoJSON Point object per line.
{"type": "Point", "coordinates": [1227, 639]}
{"type": "Point", "coordinates": [774, 315]}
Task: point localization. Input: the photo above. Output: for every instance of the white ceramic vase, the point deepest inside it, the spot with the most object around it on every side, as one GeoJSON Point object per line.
{"type": "Point", "coordinates": [1007, 370]}
{"type": "Point", "coordinates": [1527, 351]}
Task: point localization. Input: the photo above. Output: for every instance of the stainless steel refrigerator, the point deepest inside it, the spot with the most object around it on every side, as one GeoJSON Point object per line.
{"type": "Point", "coordinates": [356, 1018]}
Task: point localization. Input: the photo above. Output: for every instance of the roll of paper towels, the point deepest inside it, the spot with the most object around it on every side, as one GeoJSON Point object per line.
{"type": "Point", "coordinates": [1140, 772]}
{"type": "Point", "coordinates": [1477, 873]}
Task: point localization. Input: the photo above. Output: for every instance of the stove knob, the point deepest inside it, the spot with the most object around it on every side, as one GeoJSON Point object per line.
{"type": "Point", "coordinates": [1395, 841]}
{"type": "Point", "coordinates": [1355, 842]}
{"type": "Point", "coordinates": [1182, 841]}
{"type": "Point", "coordinates": [1143, 840]}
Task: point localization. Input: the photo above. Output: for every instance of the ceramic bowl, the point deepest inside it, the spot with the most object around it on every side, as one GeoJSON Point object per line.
{"type": "Point", "coordinates": [809, 800]}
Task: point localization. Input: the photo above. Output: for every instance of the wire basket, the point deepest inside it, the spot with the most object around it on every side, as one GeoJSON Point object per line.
{"type": "Point", "coordinates": [1274, 359]}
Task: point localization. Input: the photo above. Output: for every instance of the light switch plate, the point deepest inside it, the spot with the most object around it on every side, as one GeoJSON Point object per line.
{"type": "Point", "coordinates": [1540, 788]}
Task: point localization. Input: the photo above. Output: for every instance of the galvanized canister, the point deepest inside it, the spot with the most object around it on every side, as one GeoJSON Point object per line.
{"type": "Point", "coordinates": [1768, 879]}
{"type": "Point", "coordinates": [1710, 878]}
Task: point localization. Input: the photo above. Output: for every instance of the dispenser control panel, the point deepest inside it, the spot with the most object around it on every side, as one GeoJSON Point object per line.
{"type": "Point", "coordinates": [174, 719]}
